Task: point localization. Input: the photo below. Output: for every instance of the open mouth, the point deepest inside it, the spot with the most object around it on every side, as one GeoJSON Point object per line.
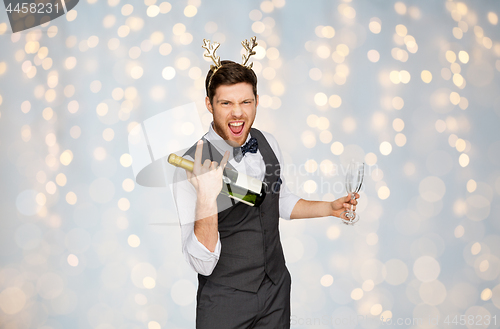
{"type": "Point", "coordinates": [236, 127]}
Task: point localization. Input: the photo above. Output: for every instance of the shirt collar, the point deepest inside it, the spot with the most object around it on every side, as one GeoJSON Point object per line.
{"type": "Point", "coordinates": [220, 144]}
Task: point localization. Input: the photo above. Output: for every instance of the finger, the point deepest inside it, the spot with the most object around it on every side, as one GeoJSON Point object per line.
{"type": "Point", "coordinates": [223, 163]}
{"type": "Point", "coordinates": [357, 196]}
{"type": "Point", "coordinates": [198, 154]}
{"type": "Point", "coordinates": [190, 176]}
{"type": "Point", "coordinates": [348, 206]}
{"type": "Point", "coordinates": [207, 163]}
{"type": "Point", "coordinates": [213, 165]}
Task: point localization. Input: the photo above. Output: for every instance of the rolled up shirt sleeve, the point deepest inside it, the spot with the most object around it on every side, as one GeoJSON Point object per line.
{"type": "Point", "coordinates": [201, 259]}
{"type": "Point", "coordinates": [288, 200]}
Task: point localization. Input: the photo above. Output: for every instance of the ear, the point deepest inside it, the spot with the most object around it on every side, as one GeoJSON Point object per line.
{"type": "Point", "coordinates": [257, 101]}
{"type": "Point", "coordinates": [209, 105]}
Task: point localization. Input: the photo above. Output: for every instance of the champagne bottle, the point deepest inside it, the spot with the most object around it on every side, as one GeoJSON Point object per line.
{"type": "Point", "coordinates": [238, 186]}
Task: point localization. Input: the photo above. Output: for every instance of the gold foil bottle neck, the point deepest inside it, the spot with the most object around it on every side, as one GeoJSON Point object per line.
{"type": "Point", "coordinates": [178, 161]}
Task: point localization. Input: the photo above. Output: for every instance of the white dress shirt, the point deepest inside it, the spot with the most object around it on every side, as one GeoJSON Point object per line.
{"type": "Point", "coordinates": [198, 256]}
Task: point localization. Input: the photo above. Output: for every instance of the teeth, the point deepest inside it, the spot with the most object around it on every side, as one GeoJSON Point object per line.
{"type": "Point", "coordinates": [236, 124]}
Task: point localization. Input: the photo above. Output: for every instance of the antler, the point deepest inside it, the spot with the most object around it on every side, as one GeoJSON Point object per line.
{"type": "Point", "coordinates": [211, 48]}
{"type": "Point", "coordinates": [249, 46]}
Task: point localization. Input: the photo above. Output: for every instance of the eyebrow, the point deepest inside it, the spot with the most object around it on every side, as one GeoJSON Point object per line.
{"type": "Point", "coordinates": [228, 101]}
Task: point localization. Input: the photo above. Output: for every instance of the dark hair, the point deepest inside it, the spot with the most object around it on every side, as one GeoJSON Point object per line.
{"type": "Point", "coordinates": [230, 73]}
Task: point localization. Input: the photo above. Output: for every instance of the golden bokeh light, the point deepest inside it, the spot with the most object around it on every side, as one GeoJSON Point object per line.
{"type": "Point", "coordinates": [383, 192]}
{"type": "Point", "coordinates": [385, 148]}
{"type": "Point", "coordinates": [126, 160]}
{"type": "Point", "coordinates": [328, 32]}
{"type": "Point", "coordinates": [357, 294]}
{"type": "Point", "coordinates": [310, 186]}
{"type": "Point", "coordinates": [165, 7]}
{"type": "Point", "coordinates": [400, 8]}
{"type": "Point", "coordinates": [12, 300]}
{"type": "Point", "coordinates": [66, 157]}
{"type": "Point", "coordinates": [325, 136]}
{"type": "Point", "coordinates": [71, 198]}
{"type": "Point", "coordinates": [368, 285]}
{"type": "Point", "coordinates": [486, 294]}
{"type": "Point", "coordinates": [401, 30]}
{"type": "Point", "coordinates": [426, 76]}
{"type": "Point", "coordinates": [375, 25]}
{"type": "Point", "coordinates": [451, 56]}
{"type": "Point", "coordinates": [463, 56]}
{"type": "Point", "coordinates": [61, 179]}
{"type": "Point", "coordinates": [398, 124]}
{"type": "Point", "coordinates": [373, 56]}
{"type": "Point", "coordinates": [459, 231]}
{"type": "Point", "coordinates": [492, 18]}
{"type": "Point", "coordinates": [400, 139]}
{"type": "Point", "coordinates": [333, 232]}
{"type": "Point", "coordinates": [376, 309]}
{"type": "Point", "coordinates": [123, 204]}
{"type": "Point", "coordinates": [133, 241]}
{"type": "Point", "coordinates": [440, 126]}
{"type": "Point", "coordinates": [320, 99]}
{"type": "Point", "coordinates": [149, 282]}
{"type": "Point", "coordinates": [308, 139]}
{"type": "Point", "coordinates": [326, 280]}
{"type": "Point", "coordinates": [463, 160]}
{"type": "Point", "coordinates": [72, 260]}
{"type": "Point", "coordinates": [335, 101]}
{"type": "Point", "coordinates": [154, 325]}
{"type": "Point", "coordinates": [471, 185]}
{"type": "Point", "coordinates": [370, 159]}
{"type": "Point", "coordinates": [342, 50]}
{"type": "Point", "coordinates": [337, 148]}
{"type": "Point", "coordinates": [108, 134]}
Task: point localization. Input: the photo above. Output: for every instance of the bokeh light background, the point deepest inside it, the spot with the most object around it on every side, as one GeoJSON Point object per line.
{"type": "Point", "coordinates": [411, 87]}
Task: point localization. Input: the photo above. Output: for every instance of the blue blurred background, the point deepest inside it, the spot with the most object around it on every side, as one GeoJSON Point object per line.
{"type": "Point", "coordinates": [409, 87]}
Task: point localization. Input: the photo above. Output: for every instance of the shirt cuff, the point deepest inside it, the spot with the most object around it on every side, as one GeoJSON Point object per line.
{"type": "Point", "coordinates": [201, 252]}
{"type": "Point", "coordinates": [291, 201]}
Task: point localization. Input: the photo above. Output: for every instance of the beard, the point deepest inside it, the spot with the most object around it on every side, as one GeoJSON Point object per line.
{"type": "Point", "coordinates": [223, 130]}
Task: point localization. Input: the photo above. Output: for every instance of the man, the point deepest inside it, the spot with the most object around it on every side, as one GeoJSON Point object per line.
{"type": "Point", "coordinates": [235, 248]}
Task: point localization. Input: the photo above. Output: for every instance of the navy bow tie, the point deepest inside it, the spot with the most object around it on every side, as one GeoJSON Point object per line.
{"type": "Point", "coordinates": [251, 146]}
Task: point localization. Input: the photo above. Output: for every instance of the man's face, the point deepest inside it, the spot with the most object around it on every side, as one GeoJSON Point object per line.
{"type": "Point", "coordinates": [233, 108]}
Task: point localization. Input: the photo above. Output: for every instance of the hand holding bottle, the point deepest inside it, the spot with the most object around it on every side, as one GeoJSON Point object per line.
{"type": "Point", "coordinates": [233, 184]}
{"type": "Point", "coordinates": [207, 177]}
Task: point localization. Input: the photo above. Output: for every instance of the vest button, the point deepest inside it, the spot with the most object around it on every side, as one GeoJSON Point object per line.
{"type": "Point", "coordinates": [262, 213]}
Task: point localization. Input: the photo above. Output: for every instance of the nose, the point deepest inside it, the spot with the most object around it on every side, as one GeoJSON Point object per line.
{"type": "Point", "coordinates": [236, 111]}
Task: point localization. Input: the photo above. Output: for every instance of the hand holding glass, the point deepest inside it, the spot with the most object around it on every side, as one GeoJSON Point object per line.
{"type": "Point", "coordinates": [353, 182]}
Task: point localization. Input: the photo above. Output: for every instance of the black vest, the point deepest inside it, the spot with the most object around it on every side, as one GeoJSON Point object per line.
{"type": "Point", "coordinates": [250, 240]}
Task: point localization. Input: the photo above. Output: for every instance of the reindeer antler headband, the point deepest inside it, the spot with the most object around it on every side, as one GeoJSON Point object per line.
{"type": "Point", "coordinates": [211, 48]}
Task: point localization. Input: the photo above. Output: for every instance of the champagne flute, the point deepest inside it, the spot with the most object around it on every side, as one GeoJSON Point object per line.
{"type": "Point", "coordinates": [353, 182]}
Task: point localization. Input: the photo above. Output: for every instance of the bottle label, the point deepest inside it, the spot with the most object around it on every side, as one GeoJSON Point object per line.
{"type": "Point", "coordinates": [249, 183]}
{"type": "Point", "coordinates": [240, 200]}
